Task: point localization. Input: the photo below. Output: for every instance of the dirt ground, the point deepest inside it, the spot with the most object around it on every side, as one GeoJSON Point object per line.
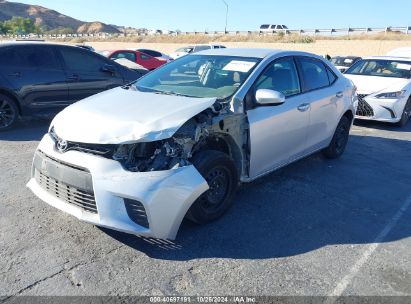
{"type": "Point", "coordinates": [321, 47]}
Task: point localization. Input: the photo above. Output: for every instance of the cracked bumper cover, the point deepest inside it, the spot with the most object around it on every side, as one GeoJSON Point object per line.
{"type": "Point", "coordinates": [165, 195]}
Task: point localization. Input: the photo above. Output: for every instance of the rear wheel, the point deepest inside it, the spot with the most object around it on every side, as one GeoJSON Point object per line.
{"type": "Point", "coordinates": [340, 139]}
{"type": "Point", "coordinates": [405, 114]}
{"type": "Point", "coordinates": [8, 112]}
{"type": "Point", "coordinates": [221, 175]}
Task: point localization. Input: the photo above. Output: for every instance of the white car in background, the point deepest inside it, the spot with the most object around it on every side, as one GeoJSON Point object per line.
{"type": "Point", "coordinates": [178, 142]}
{"type": "Point", "coordinates": [194, 49]}
{"type": "Point", "coordinates": [271, 28]}
{"type": "Point", "coordinates": [383, 87]}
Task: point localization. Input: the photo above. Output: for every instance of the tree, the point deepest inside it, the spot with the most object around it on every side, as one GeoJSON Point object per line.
{"type": "Point", "coordinates": [20, 26]}
{"type": "Point", "coordinates": [3, 29]}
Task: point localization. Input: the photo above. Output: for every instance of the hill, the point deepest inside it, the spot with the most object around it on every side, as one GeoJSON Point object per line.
{"type": "Point", "coordinates": [50, 19]}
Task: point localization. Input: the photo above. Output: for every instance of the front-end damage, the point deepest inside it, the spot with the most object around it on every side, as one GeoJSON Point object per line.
{"type": "Point", "coordinates": [153, 179]}
{"type": "Point", "coordinates": [222, 131]}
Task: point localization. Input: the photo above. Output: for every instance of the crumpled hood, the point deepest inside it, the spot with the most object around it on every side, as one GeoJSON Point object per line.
{"type": "Point", "coordinates": [373, 84]}
{"type": "Point", "coordinates": [121, 116]}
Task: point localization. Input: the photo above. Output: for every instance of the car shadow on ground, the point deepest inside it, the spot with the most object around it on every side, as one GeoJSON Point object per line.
{"type": "Point", "coordinates": [27, 130]}
{"type": "Point", "coordinates": [308, 205]}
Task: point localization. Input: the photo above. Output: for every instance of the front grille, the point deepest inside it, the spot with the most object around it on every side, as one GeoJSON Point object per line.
{"type": "Point", "coordinates": [364, 109]}
{"type": "Point", "coordinates": [68, 194]}
{"type": "Point", "coordinates": [136, 212]}
{"type": "Point", "coordinates": [95, 149]}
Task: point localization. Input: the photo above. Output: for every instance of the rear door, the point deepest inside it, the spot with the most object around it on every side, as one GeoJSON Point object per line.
{"type": "Point", "coordinates": [88, 73]}
{"type": "Point", "coordinates": [322, 93]}
{"type": "Point", "coordinates": [278, 132]}
{"type": "Point", "coordinates": [37, 75]}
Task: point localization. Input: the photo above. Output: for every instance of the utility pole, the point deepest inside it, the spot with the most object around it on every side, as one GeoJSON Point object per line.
{"type": "Point", "coordinates": [226, 16]}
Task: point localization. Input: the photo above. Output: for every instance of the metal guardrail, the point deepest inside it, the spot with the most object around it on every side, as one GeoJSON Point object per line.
{"type": "Point", "coordinates": [311, 32]}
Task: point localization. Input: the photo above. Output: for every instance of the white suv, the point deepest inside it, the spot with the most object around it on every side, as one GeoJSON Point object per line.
{"type": "Point", "coordinates": [271, 28]}
{"type": "Point", "coordinates": [194, 49]}
{"type": "Point", "coordinates": [178, 142]}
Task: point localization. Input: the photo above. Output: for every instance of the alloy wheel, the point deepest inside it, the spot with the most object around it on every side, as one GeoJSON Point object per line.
{"type": "Point", "coordinates": [7, 114]}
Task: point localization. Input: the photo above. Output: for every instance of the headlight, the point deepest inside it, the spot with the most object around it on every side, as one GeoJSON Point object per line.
{"type": "Point", "coordinates": [391, 95]}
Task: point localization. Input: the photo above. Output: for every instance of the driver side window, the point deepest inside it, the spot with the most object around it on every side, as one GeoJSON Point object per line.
{"type": "Point", "coordinates": [280, 76]}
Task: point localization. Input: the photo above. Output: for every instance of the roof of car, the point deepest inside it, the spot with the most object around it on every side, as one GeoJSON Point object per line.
{"type": "Point", "coordinates": [390, 58]}
{"type": "Point", "coordinates": [254, 53]}
{"type": "Point", "coordinates": [9, 43]}
{"type": "Point", "coordinates": [32, 42]}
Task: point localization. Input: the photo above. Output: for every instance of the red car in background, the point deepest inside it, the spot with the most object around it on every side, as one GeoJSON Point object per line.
{"type": "Point", "coordinates": [145, 60]}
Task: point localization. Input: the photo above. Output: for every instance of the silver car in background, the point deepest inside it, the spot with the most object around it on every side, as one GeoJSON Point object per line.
{"type": "Point", "coordinates": [178, 142]}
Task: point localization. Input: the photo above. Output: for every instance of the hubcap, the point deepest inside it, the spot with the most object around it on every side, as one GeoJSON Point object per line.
{"type": "Point", "coordinates": [218, 181]}
{"type": "Point", "coordinates": [7, 114]}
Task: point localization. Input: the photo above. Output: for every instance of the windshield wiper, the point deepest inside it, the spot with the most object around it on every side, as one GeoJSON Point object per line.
{"type": "Point", "coordinates": [170, 93]}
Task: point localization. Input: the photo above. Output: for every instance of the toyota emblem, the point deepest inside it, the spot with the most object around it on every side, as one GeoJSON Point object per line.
{"type": "Point", "coordinates": [62, 145]}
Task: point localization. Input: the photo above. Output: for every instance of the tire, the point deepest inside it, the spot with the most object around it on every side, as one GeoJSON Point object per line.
{"type": "Point", "coordinates": [221, 173]}
{"type": "Point", "coordinates": [339, 140]}
{"type": "Point", "coordinates": [405, 114]}
{"type": "Point", "coordinates": [9, 113]}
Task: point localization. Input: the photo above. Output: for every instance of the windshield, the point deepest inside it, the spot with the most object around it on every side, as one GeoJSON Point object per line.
{"type": "Point", "coordinates": [342, 61]}
{"type": "Point", "coordinates": [381, 68]}
{"type": "Point", "coordinates": [199, 76]}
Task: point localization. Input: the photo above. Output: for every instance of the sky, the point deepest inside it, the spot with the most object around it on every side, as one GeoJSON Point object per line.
{"type": "Point", "coordinates": [201, 15]}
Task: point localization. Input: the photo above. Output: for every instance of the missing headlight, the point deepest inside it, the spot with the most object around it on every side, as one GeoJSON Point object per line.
{"type": "Point", "coordinates": [151, 156]}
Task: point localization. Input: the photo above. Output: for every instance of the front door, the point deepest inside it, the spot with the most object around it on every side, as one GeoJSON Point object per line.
{"type": "Point", "coordinates": [278, 133]}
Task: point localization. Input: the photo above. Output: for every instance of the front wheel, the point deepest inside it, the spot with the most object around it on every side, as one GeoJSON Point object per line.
{"type": "Point", "coordinates": [8, 113]}
{"type": "Point", "coordinates": [220, 172]}
{"type": "Point", "coordinates": [340, 139]}
{"type": "Point", "coordinates": [405, 114]}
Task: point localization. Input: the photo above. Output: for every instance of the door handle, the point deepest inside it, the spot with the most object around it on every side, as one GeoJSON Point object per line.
{"type": "Point", "coordinates": [16, 74]}
{"type": "Point", "coordinates": [339, 94]}
{"type": "Point", "coordinates": [304, 107]}
{"type": "Point", "coordinates": [73, 77]}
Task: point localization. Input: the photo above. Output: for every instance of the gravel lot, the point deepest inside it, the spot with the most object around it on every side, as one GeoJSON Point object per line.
{"type": "Point", "coordinates": [317, 227]}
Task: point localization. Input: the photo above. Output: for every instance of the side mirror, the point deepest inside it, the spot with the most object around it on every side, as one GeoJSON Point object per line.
{"type": "Point", "coordinates": [269, 97]}
{"type": "Point", "coordinates": [107, 68]}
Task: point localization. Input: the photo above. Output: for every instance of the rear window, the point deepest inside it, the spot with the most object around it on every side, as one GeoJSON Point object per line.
{"type": "Point", "coordinates": [315, 74]}
{"type": "Point", "coordinates": [201, 48]}
{"type": "Point", "coordinates": [29, 56]}
{"type": "Point", "coordinates": [151, 53]}
{"type": "Point", "coordinates": [264, 26]}
{"type": "Point", "coordinates": [80, 60]}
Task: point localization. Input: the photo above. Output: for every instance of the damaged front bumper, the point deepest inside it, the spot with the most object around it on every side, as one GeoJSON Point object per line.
{"type": "Point", "coordinates": [99, 191]}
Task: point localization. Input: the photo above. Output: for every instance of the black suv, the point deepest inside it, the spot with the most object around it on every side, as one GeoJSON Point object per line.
{"type": "Point", "coordinates": [41, 79]}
